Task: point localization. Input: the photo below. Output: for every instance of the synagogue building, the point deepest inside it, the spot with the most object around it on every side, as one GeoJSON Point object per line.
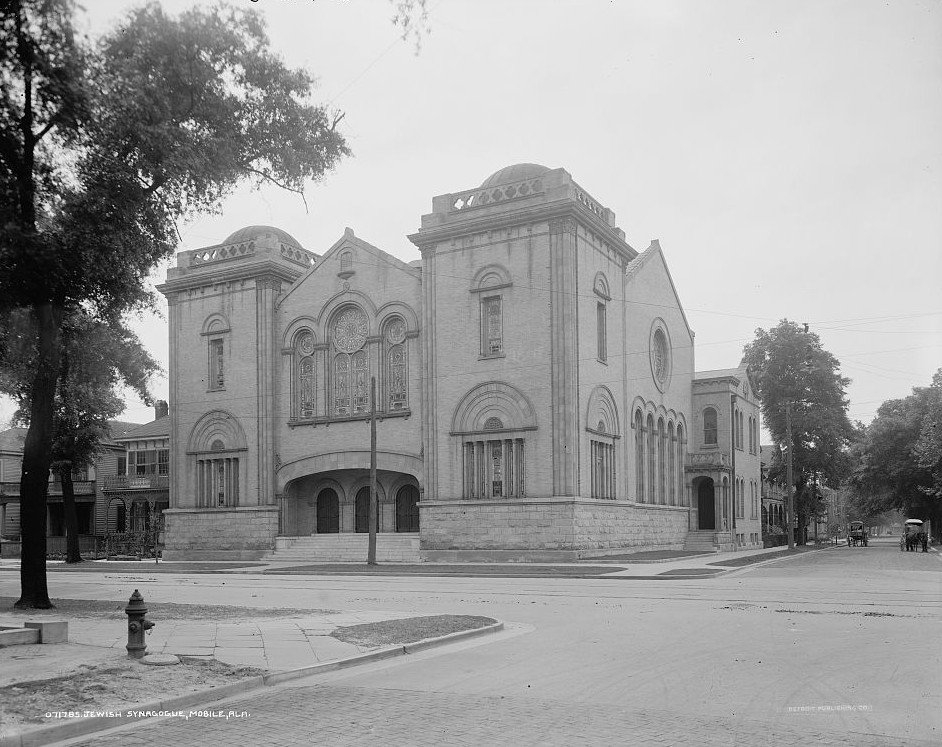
{"type": "Point", "coordinates": [532, 377]}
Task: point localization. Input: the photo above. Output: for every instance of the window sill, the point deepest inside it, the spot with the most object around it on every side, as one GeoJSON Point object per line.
{"type": "Point", "coordinates": [380, 416]}
{"type": "Point", "coordinates": [491, 356]}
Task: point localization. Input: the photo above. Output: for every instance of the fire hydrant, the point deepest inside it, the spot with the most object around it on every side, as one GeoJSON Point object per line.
{"type": "Point", "coordinates": [137, 625]}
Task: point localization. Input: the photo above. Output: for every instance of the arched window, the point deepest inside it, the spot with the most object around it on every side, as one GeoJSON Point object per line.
{"type": "Point", "coordinates": [661, 462]}
{"type": "Point", "coordinates": [681, 494]}
{"type": "Point", "coordinates": [651, 450]}
{"type": "Point", "coordinates": [396, 357]}
{"type": "Point", "coordinates": [639, 457]}
{"type": "Point", "coordinates": [672, 465]}
{"type": "Point", "coordinates": [350, 383]}
{"type": "Point", "coordinates": [306, 381]}
{"type": "Point", "coordinates": [709, 427]}
{"type": "Point", "coordinates": [216, 330]}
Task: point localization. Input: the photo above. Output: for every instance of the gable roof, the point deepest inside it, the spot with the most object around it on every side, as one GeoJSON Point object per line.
{"type": "Point", "coordinates": [633, 268]}
{"type": "Point", "coordinates": [12, 440]}
{"type": "Point", "coordinates": [719, 373]}
{"type": "Point", "coordinates": [159, 428]}
{"type": "Point", "coordinates": [350, 240]}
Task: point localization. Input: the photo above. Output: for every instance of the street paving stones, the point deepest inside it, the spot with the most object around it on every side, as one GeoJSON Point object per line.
{"type": "Point", "coordinates": [342, 716]}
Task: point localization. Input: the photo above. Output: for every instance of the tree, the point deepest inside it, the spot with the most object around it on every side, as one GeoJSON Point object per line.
{"type": "Point", "coordinates": [897, 459]}
{"type": "Point", "coordinates": [929, 446]}
{"type": "Point", "coordinates": [98, 359]}
{"type": "Point", "coordinates": [103, 148]}
{"type": "Point", "coordinates": [795, 373]}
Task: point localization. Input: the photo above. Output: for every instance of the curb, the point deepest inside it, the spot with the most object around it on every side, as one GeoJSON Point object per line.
{"type": "Point", "coordinates": [82, 727]}
{"type": "Point", "coordinates": [750, 566]}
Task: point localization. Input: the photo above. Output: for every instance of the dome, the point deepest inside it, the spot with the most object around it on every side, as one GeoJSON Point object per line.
{"type": "Point", "coordinates": [252, 232]}
{"type": "Point", "coordinates": [516, 173]}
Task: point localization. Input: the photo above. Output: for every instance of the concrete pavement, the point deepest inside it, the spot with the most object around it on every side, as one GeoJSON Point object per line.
{"type": "Point", "coordinates": [444, 710]}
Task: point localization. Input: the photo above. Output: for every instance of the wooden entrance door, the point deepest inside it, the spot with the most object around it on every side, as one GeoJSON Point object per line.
{"type": "Point", "coordinates": [706, 505]}
{"type": "Point", "coordinates": [407, 509]}
{"type": "Point", "coordinates": [328, 512]}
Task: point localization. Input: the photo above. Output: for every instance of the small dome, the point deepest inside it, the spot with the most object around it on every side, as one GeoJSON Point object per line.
{"type": "Point", "coordinates": [251, 232]}
{"type": "Point", "coordinates": [516, 173]}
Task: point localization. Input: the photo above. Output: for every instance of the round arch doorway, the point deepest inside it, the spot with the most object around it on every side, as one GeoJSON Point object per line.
{"type": "Point", "coordinates": [328, 512]}
{"type": "Point", "coordinates": [706, 504]}
{"type": "Point", "coordinates": [407, 509]}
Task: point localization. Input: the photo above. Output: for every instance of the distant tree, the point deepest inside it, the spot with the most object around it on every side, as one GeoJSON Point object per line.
{"type": "Point", "coordinates": [897, 459]}
{"type": "Point", "coordinates": [97, 361]}
{"type": "Point", "coordinates": [929, 445]}
{"type": "Point", "coordinates": [103, 148]}
{"type": "Point", "coordinates": [793, 371]}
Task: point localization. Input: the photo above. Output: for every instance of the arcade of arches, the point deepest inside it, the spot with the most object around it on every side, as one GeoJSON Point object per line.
{"type": "Point", "coordinates": [338, 502]}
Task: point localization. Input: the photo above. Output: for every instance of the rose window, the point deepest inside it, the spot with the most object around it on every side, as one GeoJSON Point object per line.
{"type": "Point", "coordinates": [350, 331]}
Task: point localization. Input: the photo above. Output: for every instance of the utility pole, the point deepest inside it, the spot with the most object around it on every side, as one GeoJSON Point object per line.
{"type": "Point", "coordinates": [790, 496]}
{"type": "Point", "coordinates": [371, 551]}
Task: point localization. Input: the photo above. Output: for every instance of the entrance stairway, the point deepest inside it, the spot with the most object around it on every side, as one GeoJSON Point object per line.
{"type": "Point", "coordinates": [346, 548]}
{"type": "Point", "coordinates": [700, 541]}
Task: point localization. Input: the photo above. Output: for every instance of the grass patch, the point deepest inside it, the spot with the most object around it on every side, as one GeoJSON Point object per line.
{"type": "Point", "coordinates": [753, 559]}
{"type": "Point", "coordinates": [408, 630]}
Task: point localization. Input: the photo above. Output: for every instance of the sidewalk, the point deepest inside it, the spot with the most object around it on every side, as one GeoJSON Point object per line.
{"type": "Point", "coordinates": [54, 692]}
{"type": "Point", "coordinates": [288, 643]}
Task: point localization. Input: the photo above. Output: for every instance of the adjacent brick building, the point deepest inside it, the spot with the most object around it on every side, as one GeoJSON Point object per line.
{"type": "Point", "coordinates": [535, 391]}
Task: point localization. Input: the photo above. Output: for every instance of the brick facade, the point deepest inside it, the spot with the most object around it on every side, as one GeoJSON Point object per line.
{"type": "Point", "coordinates": [512, 364]}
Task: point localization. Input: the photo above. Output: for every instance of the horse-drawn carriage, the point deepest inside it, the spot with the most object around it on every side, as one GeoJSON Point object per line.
{"type": "Point", "coordinates": [857, 534]}
{"type": "Point", "coordinates": [915, 535]}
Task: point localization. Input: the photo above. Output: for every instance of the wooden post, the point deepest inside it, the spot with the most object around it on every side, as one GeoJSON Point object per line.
{"type": "Point", "coordinates": [371, 552]}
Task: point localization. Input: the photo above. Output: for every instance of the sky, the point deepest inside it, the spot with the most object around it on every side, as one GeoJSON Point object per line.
{"type": "Point", "coordinates": [786, 154]}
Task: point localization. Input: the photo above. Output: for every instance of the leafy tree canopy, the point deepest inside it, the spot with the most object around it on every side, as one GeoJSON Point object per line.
{"type": "Point", "coordinates": [793, 370]}
{"type": "Point", "coordinates": [159, 120]}
{"type": "Point", "coordinates": [104, 146]}
{"type": "Point", "coordinates": [898, 459]}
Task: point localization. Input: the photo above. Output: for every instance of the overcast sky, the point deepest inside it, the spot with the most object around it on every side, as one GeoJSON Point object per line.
{"type": "Point", "coordinates": [787, 154]}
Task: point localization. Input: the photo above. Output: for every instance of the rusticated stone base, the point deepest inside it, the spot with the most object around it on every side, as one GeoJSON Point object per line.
{"type": "Point", "coordinates": [547, 528]}
{"type": "Point", "coordinates": [241, 533]}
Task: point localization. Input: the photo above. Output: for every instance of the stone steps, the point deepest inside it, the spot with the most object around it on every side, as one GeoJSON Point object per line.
{"type": "Point", "coordinates": [48, 631]}
{"type": "Point", "coordinates": [346, 548]}
{"type": "Point", "coordinates": [700, 541]}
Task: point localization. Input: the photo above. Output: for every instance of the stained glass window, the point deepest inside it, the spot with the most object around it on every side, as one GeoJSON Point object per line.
{"type": "Point", "coordinates": [361, 384]}
{"type": "Point", "coordinates": [217, 375]}
{"type": "Point", "coordinates": [342, 384]}
{"type": "Point", "coordinates": [492, 327]}
{"type": "Point", "coordinates": [351, 368]}
{"type": "Point", "coordinates": [306, 375]}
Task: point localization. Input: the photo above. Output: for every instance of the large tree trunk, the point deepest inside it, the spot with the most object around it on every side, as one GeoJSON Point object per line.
{"type": "Point", "coordinates": [73, 553]}
{"type": "Point", "coordinates": [37, 457]}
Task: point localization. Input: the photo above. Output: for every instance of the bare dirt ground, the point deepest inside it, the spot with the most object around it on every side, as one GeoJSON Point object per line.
{"type": "Point", "coordinates": [110, 682]}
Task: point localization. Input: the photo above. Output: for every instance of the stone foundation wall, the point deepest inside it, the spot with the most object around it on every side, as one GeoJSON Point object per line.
{"type": "Point", "coordinates": [244, 533]}
{"type": "Point", "coordinates": [608, 525]}
{"type": "Point", "coordinates": [569, 524]}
